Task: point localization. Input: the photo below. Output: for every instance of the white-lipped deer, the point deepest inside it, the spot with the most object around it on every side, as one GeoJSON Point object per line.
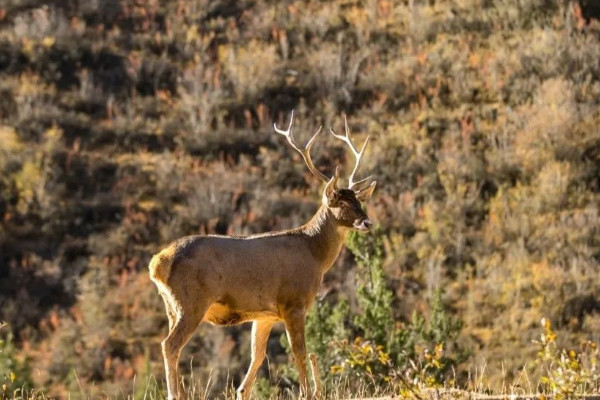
{"type": "Point", "coordinates": [264, 278]}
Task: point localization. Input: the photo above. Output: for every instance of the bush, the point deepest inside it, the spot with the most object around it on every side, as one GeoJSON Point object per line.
{"type": "Point", "coordinates": [566, 374]}
{"type": "Point", "coordinates": [369, 346]}
{"type": "Point", "coordinates": [15, 374]}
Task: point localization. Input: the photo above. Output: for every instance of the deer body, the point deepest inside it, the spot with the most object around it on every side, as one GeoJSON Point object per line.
{"type": "Point", "coordinates": [264, 278]}
{"type": "Point", "coordinates": [253, 277]}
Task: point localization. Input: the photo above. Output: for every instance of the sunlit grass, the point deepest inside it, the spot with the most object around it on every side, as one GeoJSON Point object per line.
{"type": "Point", "coordinates": [556, 372]}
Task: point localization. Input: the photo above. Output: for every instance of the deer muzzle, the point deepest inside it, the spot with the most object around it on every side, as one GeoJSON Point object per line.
{"type": "Point", "coordinates": [363, 224]}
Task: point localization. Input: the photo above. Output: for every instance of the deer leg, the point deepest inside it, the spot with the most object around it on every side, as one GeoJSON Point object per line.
{"type": "Point", "coordinates": [260, 335]}
{"type": "Point", "coordinates": [314, 367]}
{"type": "Point", "coordinates": [294, 326]}
{"type": "Point", "coordinates": [181, 331]}
{"type": "Point", "coordinates": [171, 316]}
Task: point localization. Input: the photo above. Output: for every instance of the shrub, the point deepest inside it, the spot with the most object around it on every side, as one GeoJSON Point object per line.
{"type": "Point", "coordinates": [371, 345]}
{"type": "Point", "coordinates": [15, 374]}
{"type": "Point", "coordinates": [566, 374]}
{"type": "Point", "coordinates": [326, 323]}
{"type": "Point", "coordinates": [250, 68]}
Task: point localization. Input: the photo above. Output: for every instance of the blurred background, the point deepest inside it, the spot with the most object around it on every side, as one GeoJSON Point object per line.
{"type": "Point", "coordinates": [125, 124]}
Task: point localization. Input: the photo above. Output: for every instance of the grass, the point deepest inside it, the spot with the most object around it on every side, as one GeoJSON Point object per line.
{"type": "Point", "coordinates": [152, 390]}
{"type": "Point", "coordinates": [556, 373]}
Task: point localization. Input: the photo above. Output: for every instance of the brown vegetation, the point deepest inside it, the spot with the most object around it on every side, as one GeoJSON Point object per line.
{"type": "Point", "coordinates": [126, 124]}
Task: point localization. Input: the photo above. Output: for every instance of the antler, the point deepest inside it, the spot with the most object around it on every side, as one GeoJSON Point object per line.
{"type": "Point", "coordinates": [304, 152]}
{"type": "Point", "coordinates": [357, 154]}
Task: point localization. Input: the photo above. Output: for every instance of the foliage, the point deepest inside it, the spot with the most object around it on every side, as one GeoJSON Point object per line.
{"type": "Point", "coordinates": [15, 374]}
{"type": "Point", "coordinates": [326, 323]}
{"type": "Point", "coordinates": [419, 354]}
{"type": "Point", "coordinates": [363, 359]}
{"type": "Point", "coordinates": [382, 351]}
{"type": "Point", "coordinates": [566, 374]}
{"type": "Point", "coordinates": [126, 124]}
{"type": "Point", "coordinates": [376, 319]}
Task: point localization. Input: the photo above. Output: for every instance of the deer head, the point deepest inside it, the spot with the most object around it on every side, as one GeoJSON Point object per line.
{"type": "Point", "coordinates": [344, 203]}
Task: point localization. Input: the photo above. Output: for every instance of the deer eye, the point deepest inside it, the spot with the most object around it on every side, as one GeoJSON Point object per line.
{"type": "Point", "coordinates": [346, 203]}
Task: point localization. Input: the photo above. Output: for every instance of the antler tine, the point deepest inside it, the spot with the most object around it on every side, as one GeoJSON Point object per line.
{"type": "Point", "coordinates": [357, 154]}
{"type": "Point", "coordinates": [305, 153]}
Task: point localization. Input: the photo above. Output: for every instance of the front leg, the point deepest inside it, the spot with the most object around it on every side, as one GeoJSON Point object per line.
{"type": "Point", "coordinates": [314, 367]}
{"type": "Point", "coordinates": [294, 326]}
{"type": "Point", "coordinates": [260, 336]}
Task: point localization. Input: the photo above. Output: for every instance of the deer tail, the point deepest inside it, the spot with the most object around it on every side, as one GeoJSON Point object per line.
{"type": "Point", "coordinates": [160, 266]}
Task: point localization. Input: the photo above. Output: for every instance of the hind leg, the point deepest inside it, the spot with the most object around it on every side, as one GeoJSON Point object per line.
{"type": "Point", "coordinates": [183, 326]}
{"type": "Point", "coordinates": [170, 310]}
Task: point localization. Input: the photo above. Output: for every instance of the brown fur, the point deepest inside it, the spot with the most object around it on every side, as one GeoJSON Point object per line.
{"type": "Point", "coordinates": [265, 278]}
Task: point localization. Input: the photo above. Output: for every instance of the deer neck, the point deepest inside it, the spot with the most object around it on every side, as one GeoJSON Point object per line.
{"type": "Point", "coordinates": [325, 237]}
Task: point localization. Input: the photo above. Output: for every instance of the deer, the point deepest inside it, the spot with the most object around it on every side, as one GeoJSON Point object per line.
{"type": "Point", "coordinates": [263, 278]}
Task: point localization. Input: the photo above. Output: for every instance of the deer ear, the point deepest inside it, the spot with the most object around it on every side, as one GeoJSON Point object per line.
{"type": "Point", "coordinates": [365, 193]}
{"type": "Point", "coordinates": [330, 189]}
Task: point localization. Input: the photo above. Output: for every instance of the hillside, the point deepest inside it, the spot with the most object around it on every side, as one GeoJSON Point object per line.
{"type": "Point", "coordinates": [127, 124]}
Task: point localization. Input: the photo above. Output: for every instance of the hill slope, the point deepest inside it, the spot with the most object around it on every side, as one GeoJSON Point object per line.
{"type": "Point", "coordinates": [126, 124]}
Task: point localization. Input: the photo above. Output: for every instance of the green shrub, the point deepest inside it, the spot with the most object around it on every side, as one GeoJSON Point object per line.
{"type": "Point", "coordinates": [15, 374]}
{"type": "Point", "coordinates": [376, 320]}
{"type": "Point", "coordinates": [326, 323]}
{"type": "Point", "coordinates": [389, 351]}
{"type": "Point", "coordinates": [369, 347]}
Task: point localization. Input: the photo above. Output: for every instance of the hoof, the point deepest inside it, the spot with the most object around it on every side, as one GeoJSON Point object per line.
{"type": "Point", "coordinates": [241, 395]}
